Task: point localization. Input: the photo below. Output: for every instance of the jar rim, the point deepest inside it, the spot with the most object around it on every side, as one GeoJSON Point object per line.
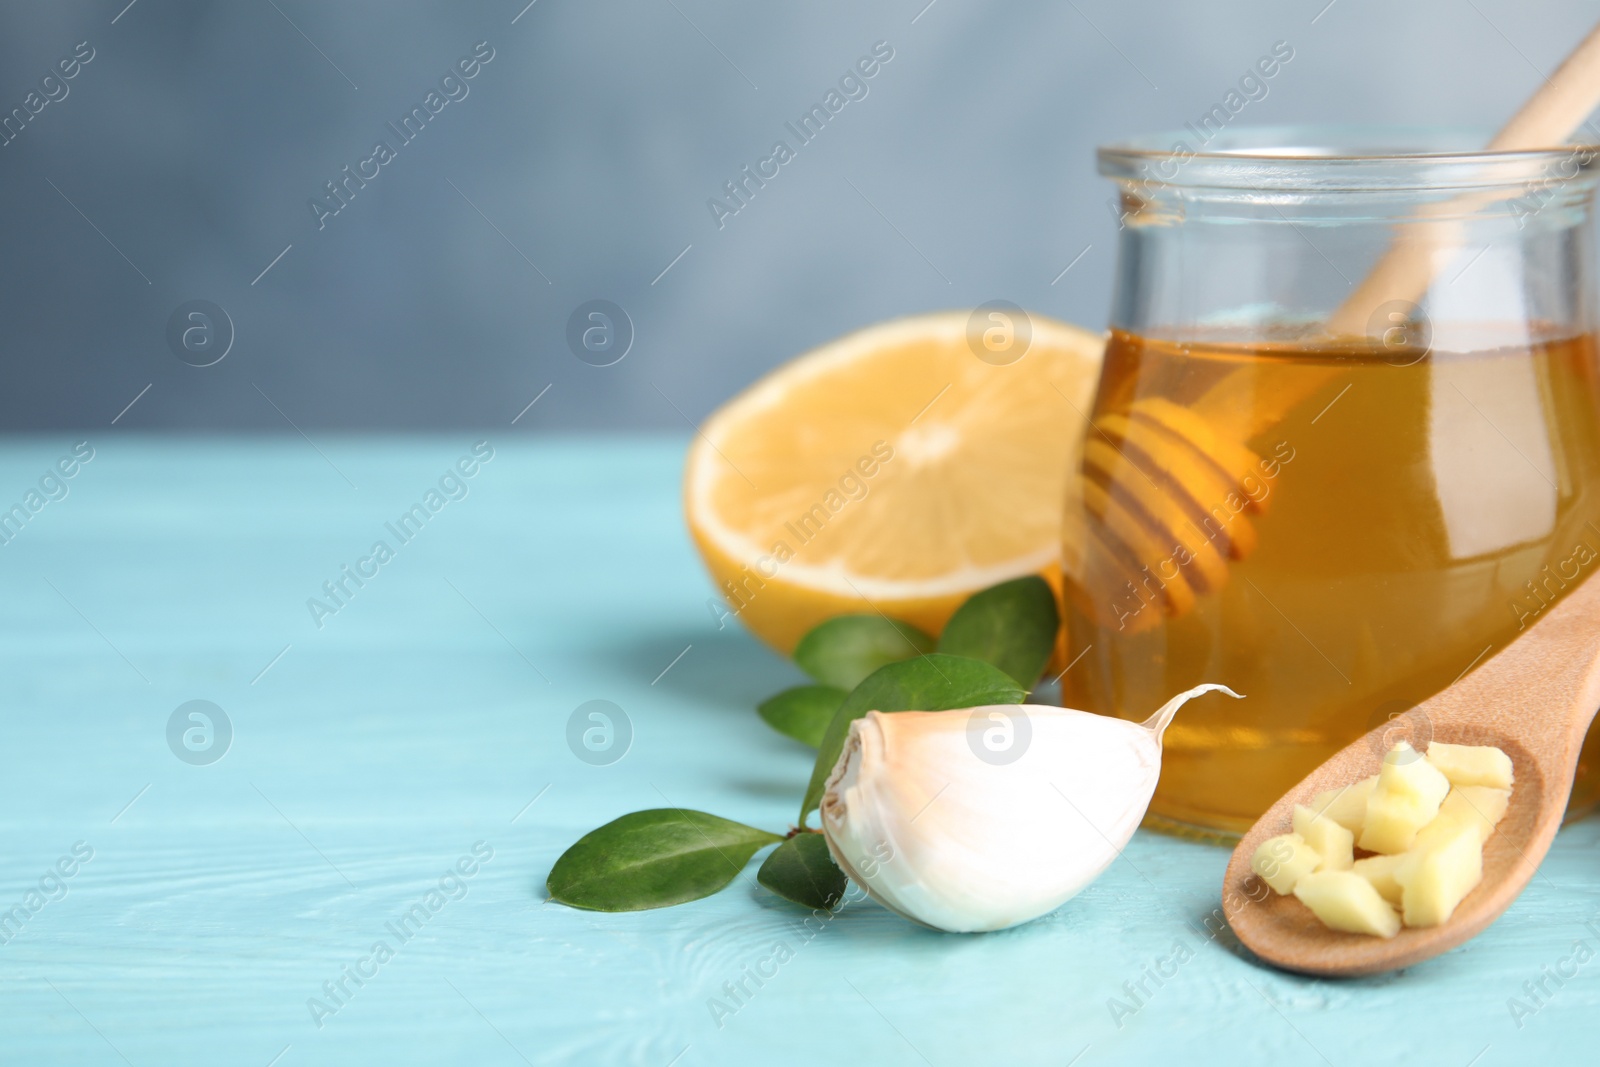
{"type": "Point", "coordinates": [1338, 158]}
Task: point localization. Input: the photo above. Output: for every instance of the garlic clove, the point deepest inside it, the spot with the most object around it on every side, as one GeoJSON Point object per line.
{"type": "Point", "coordinates": [984, 818]}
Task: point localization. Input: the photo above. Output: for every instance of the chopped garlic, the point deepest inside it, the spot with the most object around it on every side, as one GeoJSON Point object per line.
{"type": "Point", "coordinates": [1434, 879]}
{"type": "Point", "coordinates": [1283, 860]}
{"type": "Point", "coordinates": [1472, 764]}
{"type": "Point", "coordinates": [1347, 806]}
{"type": "Point", "coordinates": [1346, 901]}
{"type": "Point", "coordinates": [1406, 798]}
{"type": "Point", "coordinates": [1427, 819]}
{"type": "Point", "coordinates": [1379, 870]}
{"type": "Point", "coordinates": [1327, 838]}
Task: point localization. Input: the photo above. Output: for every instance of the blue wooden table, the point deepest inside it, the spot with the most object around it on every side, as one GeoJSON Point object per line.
{"type": "Point", "coordinates": [400, 774]}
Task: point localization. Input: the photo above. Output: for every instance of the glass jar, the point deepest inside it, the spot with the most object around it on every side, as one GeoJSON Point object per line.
{"type": "Point", "coordinates": [1346, 442]}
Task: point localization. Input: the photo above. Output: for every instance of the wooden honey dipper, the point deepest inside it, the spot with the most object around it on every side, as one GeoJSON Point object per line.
{"type": "Point", "coordinates": [1162, 479]}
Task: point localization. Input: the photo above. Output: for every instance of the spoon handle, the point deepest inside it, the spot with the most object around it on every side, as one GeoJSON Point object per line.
{"type": "Point", "coordinates": [1546, 120]}
{"type": "Point", "coordinates": [1543, 688]}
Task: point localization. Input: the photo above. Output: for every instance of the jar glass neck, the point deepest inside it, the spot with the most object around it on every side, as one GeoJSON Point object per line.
{"type": "Point", "coordinates": [1486, 249]}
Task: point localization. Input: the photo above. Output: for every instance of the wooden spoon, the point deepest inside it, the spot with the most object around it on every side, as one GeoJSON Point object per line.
{"type": "Point", "coordinates": [1535, 700]}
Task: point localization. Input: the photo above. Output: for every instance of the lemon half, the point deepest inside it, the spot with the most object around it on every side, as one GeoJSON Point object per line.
{"type": "Point", "coordinates": [890, 471]}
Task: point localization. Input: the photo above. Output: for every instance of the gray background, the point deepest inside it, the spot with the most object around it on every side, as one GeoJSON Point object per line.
{"type": "Point", "coordinates": [587, 149]}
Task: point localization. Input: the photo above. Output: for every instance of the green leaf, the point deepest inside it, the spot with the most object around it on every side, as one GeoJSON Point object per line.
{"type": "Point", "coordinates": [801, 870]}
{"type": "Point", "coordinates": [1011, 625]}
{"type": "Point", "coordinates": [803, 712]}
{"type": "Point", "coordinates": [935, 682]}
{"type": "Point", "coordinates": [653, 859]}
{"type": "Point", "coordinates": [844, 650]}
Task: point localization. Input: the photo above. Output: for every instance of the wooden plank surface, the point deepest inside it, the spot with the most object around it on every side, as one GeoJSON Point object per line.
{"type": "Point", "coordinates": [423, 718]}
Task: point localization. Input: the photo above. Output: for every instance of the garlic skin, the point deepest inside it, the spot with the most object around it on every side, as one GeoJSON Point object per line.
{"type": "Point", "coordinates": [946, 836]}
